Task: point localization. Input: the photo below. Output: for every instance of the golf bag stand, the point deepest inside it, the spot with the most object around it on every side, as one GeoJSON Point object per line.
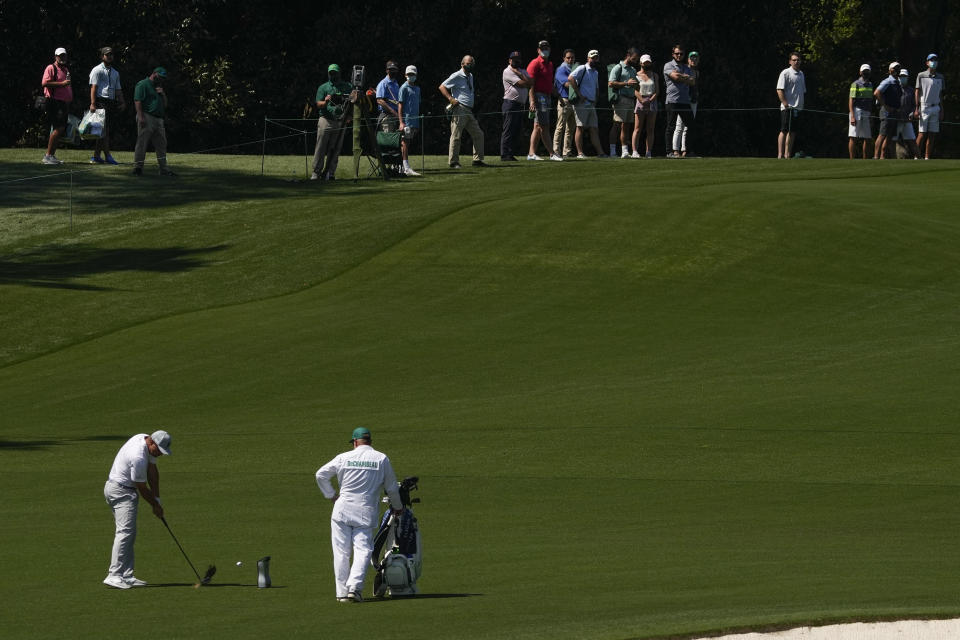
{"type": "Point", "coordinates": [397, 551]}
{"type": "Point", "coordinates": [263, 572]}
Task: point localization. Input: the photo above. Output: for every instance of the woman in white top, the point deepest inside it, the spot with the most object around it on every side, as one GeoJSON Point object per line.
{"type": "Point", "coordinates": [646, 110]}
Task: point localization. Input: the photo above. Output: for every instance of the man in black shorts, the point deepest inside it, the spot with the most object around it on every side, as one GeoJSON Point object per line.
{"type": "Point", "coordinates": [889, 93]}
{"type": "Point", "coordinates": [106, 94]}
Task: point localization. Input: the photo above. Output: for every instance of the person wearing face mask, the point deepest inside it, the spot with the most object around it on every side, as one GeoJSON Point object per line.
{"type": "Point", "coordinates": [408, 110]}
{"type": "Point", "coordinates": [645, 113]}
{"type": "Point", "coordinates": [929, 110]}
{"type": "Point", "coordinates": [59, 94]}
{"type": "Point", "coordinates": [889, 94]}
{"type": "Point", "coordinates": [516, 89]}
{"type": "Point", "coordinates": [585, 82]}
{"type": "Point", "coordinates": [540, 71]}
{"type": "Point", "coordinates": [460, 92]}
{"type": "Point", "coordinates": [333, 103]}
{"type": "Point", "coordinates": [860, 104]}
{"type": "Point", "coordinates": [907, 109]}
{"type": "Point", "coordinates": [566, 122]}
{"type": "Point", "coordinates": [151, 101]}
{"type": "Point", "coordinates": [388, 92]}
{"type": "Point", "coordinates": [106, 94]}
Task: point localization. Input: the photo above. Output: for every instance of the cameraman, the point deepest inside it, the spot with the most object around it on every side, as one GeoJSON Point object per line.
{"type": "Point", "coordinates": [334, 99]}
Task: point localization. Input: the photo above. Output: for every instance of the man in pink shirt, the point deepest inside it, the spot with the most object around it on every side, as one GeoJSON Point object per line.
{"type": "Point", "coordinates": [59, 94]}
{"type": "Point", "coordinates": [540, 71]}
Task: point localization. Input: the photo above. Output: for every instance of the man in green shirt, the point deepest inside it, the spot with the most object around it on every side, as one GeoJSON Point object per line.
{"type": "Point", "coordinates": [334, 102]}
{"type": "Point", "coordinates": [150, 101]}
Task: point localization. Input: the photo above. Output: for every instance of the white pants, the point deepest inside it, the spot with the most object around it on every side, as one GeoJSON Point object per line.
{"type": "Point", "coordinates": [346, 538]}
{"type": "Point", "coordinates": [123, 500]}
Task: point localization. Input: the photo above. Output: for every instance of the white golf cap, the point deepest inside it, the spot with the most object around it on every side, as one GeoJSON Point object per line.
{"type": "Point", "coordinates": [904, 72]}
{"type": "Point", "coordinates": [410, 69]}
{"type": "Point", "coordinates": [893, 65]}
{"type": "Point", "coordinates": [645, 58]}
{"type": "Point", "coordinates": [593, 53]}
{"type": "Point", "coordinates": [865, 67]}
{"type": "Point", "coordinates": [162, 439]}
{"type": "Point", "coordinates": [60, 51]}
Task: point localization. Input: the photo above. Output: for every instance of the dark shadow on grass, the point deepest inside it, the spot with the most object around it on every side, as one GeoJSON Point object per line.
{"type": "Point", "coordinates": [36, 445]}
{"type": "Point", "coordinates": [208, 586]}
{"type": "Point", "coordinates": [57, 266]}
{"type": "Point", "coordinates": [423, 596]}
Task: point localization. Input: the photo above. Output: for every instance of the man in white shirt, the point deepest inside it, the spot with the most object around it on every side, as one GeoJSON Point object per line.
{"type": "Point", "coordinates": [134, 470]}
{"type": "Point", "coordinates": [791, 87]}
{"type": "Point", "coordinates": [363, 474]}
{"type": "Point", "coordinates": [929, 110]}
{"type": "Point", "coordinates": [106, 94]}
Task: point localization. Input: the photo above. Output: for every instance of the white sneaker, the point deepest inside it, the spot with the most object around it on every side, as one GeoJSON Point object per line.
{"type": "Point", "coordinates": [116, 582]}
{"type": "Point", "coordinates": [354, 596]}
{"type": "Point", "coordinates": [49, 160]}
{"type": "Point", "coordinates": [580, 156]}
{"type": "Point", "coordinates": [134, 581]}
{"type": "Point", "coordinates": [410, 172]}
{"type": "Point", "coordinates": [556, 158]}
{"type": "Point", "coordinates": [534, 156]}
{"type": "Point", "coordinates": [314, 176]}
{"type": "Point", "coordinates": [634, 155]}
{"type": "Point", "coordinates": [625, 154]}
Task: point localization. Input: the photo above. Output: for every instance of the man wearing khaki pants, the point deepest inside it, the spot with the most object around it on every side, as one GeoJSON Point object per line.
{"type": "Point", "coordinates": [151, 101]}
{"type": "Point", "coordinates": [458, 89]}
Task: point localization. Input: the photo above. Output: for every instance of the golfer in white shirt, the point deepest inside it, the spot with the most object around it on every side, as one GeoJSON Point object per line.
{"type": "Point", "coordinates": [363, 474]}
{"type": "Point", "coordinates": [134, 470]}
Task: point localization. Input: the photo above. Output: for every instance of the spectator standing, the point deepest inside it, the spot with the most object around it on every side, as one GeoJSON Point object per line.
{"type": "Point", "coordinates": [459, 90]}
{"type": "Point", "coordinates": [889, 94]}
{"type": "Point", "coordinates": [622, 83]}
{"type": "Point", "coordinates": [680, 135]}
{"type": "Point", "coordinates": [860, 105]}
{"type": "Point", "coordinates": [59, 94]}
{"type": "Point", "coordinates": [908, 107]}
{"type": "Point", "coordinates": [791, 88]}
{"type": "Point", "coordinates": [107, 94]}
{"type": "Point", "coordinates": [150, 101]}
{"type": "Point", "coordinates": [566, 121]}
{"type": "Point", "coordinates": [585, 82]}
{"type": "Point", "coordinates": [516, 90]}
{"type": "Point", "coordinates": [648, 89]}
{"type": "Point", "coordinates": [388, 96]}
{"type": "Point", "coordinates": [408, 111]}
{"type": "Point", "coordinates": [540, 70]}
{"type": "Point", "coordinates": [928, 96]}
{"type": "Point", "coordinates": [331, 124]}
{"type": "Point", "coordinates": [678, 79]}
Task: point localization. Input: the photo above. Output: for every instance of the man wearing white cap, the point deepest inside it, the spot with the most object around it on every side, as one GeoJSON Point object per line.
{"type": "Point", "coordinates": [585, 83]}
{"type": "Point", "coordinates": [363, 474]}
{"type": "Point", "coordinates": [889, 94]}
{"type": "Point", "coordinates": [134, 470]}
{"type": "Point", "coordinates": [860, 104]}
{"type": "Point", "coordinates": [408, 111]}
{"type": "Point", "coordinates": [907, 110]}
{"type": "Point", "coordinates": [59, 94]}
{"type": "Point", "coordinates": [928, 106]}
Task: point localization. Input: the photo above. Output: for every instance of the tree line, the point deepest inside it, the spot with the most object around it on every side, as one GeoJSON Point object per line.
{"type": "Point", "coordinates": [233, 62]}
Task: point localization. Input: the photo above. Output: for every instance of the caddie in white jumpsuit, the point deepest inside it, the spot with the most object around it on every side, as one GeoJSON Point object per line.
{"type": "Point", "coordinates": [134, 467]}
{"type": "Point", "coordinates": [363, 474]}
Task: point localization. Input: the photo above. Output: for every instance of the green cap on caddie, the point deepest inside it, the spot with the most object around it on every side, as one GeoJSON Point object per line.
{"type": "Point", "coordinates": [334, 67]}
{"type": "Point", "coordinates": [360, 433]}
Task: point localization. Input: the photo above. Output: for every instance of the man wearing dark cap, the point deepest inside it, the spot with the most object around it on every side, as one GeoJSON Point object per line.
{"type": "Point", "coordinates": [151, 101]}
{"type": "Point", "coordinates": [540, 71]}
{"type": "Point", "coordinates": [388, 97]}
{"type": "Point", "coordinates": [363, 474]}
{"type": "Point", "coordinates": [106, 94]}
{"type": "Point", "coordinates": [516, 85]}
{"type": "Point", "coordinates": [134, 471]}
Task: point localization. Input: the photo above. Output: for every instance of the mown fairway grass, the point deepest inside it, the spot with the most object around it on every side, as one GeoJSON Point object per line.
{"type": "Point", "coordinates": [644, 398]}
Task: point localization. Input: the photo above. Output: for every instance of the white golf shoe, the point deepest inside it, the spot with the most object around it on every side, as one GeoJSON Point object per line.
{"type": "Point", "coordinates": [410, 172]}
{"type": "Point", "coordinates": [134, 581]}
{"type": "Point", "coordinates": [354, 596]}
{"type": "Point", "coordinates": [116, 582]}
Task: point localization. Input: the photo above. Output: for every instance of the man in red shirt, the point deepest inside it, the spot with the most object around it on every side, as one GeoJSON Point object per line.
{"type": "Point", "coordinates": [540, 71]}
{"type": "Point", "coordinates": [59, 93]}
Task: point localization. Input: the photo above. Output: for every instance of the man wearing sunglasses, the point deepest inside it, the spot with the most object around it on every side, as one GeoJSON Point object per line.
{"type": "Point", "coordinates": [679, 79]}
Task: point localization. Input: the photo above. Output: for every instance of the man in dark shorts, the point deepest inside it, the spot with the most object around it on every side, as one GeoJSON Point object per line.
{"type": "Point", "coordinates": [59, 94]}
{"type": "Point", "coordinates": [889, 93]}
{"type": "Point", "coordinates": [106, 94]}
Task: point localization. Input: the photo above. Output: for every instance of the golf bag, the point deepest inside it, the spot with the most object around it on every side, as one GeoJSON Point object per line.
{"type": "Point", "coordinates": [398, 568]}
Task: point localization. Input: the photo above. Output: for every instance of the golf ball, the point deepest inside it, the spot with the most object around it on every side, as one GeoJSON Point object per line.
{"type": "Point", "coordinates": [239, 564]}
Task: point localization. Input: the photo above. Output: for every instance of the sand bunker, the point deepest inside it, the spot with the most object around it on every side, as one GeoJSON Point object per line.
{"type": "Point", "coordinates": [900, 630]}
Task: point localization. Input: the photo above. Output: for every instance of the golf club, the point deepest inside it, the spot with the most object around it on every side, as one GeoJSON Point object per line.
{"type": "Point", "coordinates": [210, 570]}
